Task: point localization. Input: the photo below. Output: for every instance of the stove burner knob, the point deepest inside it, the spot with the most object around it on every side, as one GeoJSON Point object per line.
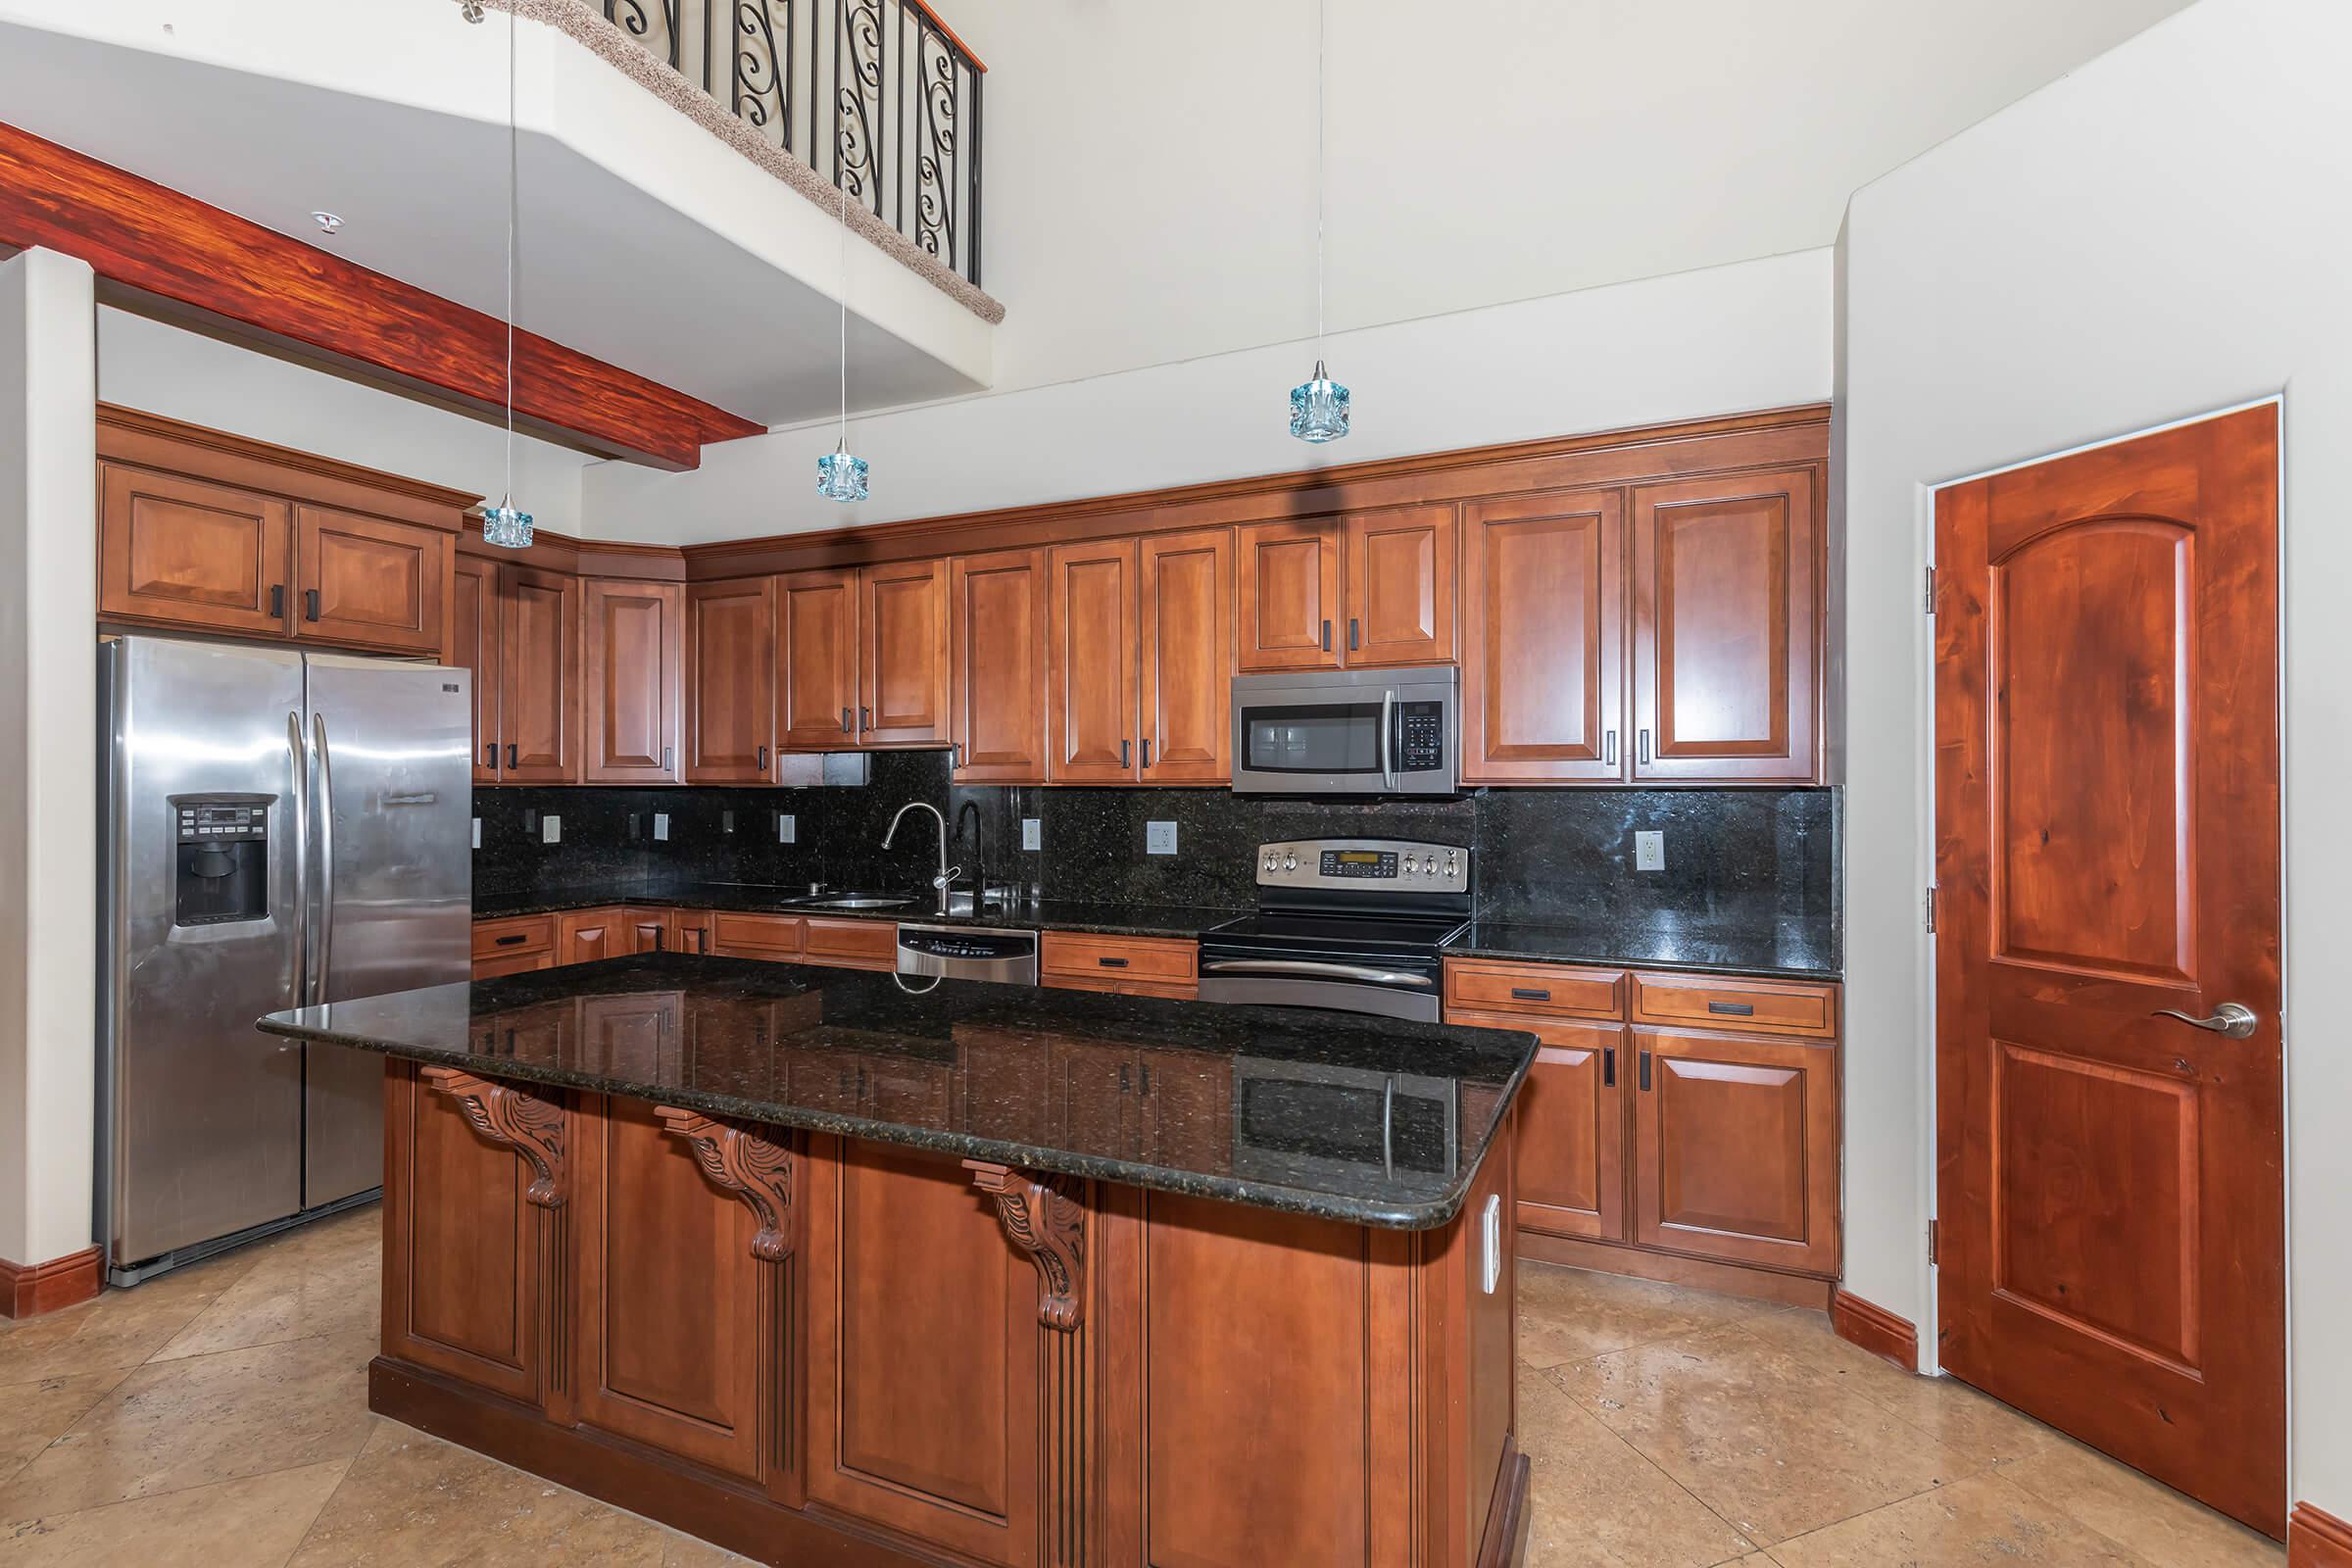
{"type": "Point", "coordinates": [1410, 865]}
{"type": "Point", "coordinates": [1272, 863]}
{"type": "Point", "coordinates": [1289, 862]}
{"type": "Point", "coordinates": [1452, 866]}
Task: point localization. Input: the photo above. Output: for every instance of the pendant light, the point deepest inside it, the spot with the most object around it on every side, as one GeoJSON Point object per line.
{"type": "Point", "coordinates": [838, 475]}
{"type": "Point", "coordinates": [505, 524]}
{"type": "Point", "coordinates": [1319, 405]}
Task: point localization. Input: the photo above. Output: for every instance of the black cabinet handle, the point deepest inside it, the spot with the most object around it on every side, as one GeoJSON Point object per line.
{"type": "Point", "coordinates": [845, 721]}
{"type": "Point", "coordinates": [1123, 1077]}
{"type": "Point", "coordinates": [762, 758]}
{"type": "Point", "coordinates": [1147, 751]}
{"type": "Point", "coordinates": [1112, 963]}
{"type": "Point", "coordinates": [1608, 1066]}
{"type": "Point", "coordinates": [865, 716]}
{"type": "Point", "coordinates": [278, 600]}
{"type": "Point", "coordinates": [1530, 993]}
{"type": "Point", "coordinates": [310, 604]}
{"type": "Point", "coordinates": [515, 940]}
{"type": "Point", "coordinates": [1646, 1072]}
{"type": "Point", "coordinates": [1124, 752]}
{"type": "Point", "coordinates": [661, 940]}
{"type": "Point", "coordinates": [512, 761]}
{"type": "Point", "coordinates": [1327, 636]}
{"type": "Point", "coordinates": [664, 759]}
{"type": "Point", "coordinates": [490, 755]}
{"type": "Point", "coordinates": [1146, 1077]}
{"type": "Point", "coordinates": [1354, 641]}
{"type": "Point", "coordinates": [1736, 1009]}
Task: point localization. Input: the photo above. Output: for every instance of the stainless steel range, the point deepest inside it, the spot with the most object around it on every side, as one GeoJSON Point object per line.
{"type": "Point", "coordinates": [1353, 924]}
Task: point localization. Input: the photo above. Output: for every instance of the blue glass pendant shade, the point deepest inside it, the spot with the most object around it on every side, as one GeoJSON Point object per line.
{"type": "Point", "coordinates": [841, 476]}
{"type": "Point", "coordinates": [506, 527]}
{"type": "Point", "coordinates": [1319, 409]}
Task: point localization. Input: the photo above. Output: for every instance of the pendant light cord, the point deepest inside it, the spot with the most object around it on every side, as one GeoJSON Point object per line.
{"type": "Point", "coordinates": [1321, 21]}
{"type": "Point", "coordinates": [513, 205]}
{"type": "Point", "coordinates": [843, 443]}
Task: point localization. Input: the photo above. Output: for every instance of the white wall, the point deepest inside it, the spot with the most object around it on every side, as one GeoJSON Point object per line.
{"type": "Point", "coordinates": [48, 795]}
{"type": "Point", "coordinates": [1150, 172]}
{"type": "Point", "coordinates": [1717, 341]}
{"type": "Point", "coordinates": [184, 376]}
{"type": "Point", "coordinates": [2159, 235]}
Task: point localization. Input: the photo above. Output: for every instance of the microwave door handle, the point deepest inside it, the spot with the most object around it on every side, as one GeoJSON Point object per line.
{"type": "Point", "coordinates": [1388, 726]}
{"type": "Point", "coordinates": [1323, 972]}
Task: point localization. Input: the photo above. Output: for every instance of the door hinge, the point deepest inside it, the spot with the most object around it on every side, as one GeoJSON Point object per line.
{"type": "Point", "coordinates": [1931, 599]}
{"type": "Point", "coordinates": [1930, 902]}
{"type": "Point", "coordinates": [1933, 1244]}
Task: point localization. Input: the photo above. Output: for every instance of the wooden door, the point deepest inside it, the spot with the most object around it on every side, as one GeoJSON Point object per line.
{"type": "Point", "coordinates": [1736, 1147]}
{"type": "Point", "coordinates": [903, 660]}
{"type": "Point", "coordinates": [669, 1330]}
{"type": "Point", "coordinates": [1542, 637]}
{"type": "Point", "coordinates": [583, 936]}
{"type": "Point", "coordinates": [1727, 628]}
{"type": "Point", "coordinates": [1289, 595]}
{"type": "Point", "coordinates": [371, 581]}
{"type": "Point", "coordinates": [997, 667]}
{"type": "Point", "coordinates": [2111, 1197]}
{"type": "Point", "coordinates": [1091, 664]}
{"type": "Point", "coordinates": [691, 930]}
{"type": "Point", "coordinates": [1571, 1139]}
{"type": "Point", "coordinates": [195, 554]}
{"type": "Point", "coordinates": [473, 645]}
{"type": "Point", "coordinates": [923, 1353]}
{"type": "Point", "coordinates": [816, 659]}
{"type": "Point", "coordinates": [730, 680]}
{"type": "Point", "coordinates": [539, 692]}
{"type": "Point", "coordinates": [1400, 586]}
{"type": "Point", "coordinates": [1187, 657]}
{"type": "Point", "coordinates": [652, 930]}
{"type": "Point", "coordinates": [636, 654]}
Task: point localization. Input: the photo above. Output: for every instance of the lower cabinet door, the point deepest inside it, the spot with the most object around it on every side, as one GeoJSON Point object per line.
{"type": "Point", "coordinates": [1736, 1147]}
{"type": "Point", "coordinates": [923, 1353]}
{"type": "Point", "coordinates": [673, 1350]}
{"type": "Point", "coordinates": [1571, 1144]}
{"type": "Point", "coordinates": [583, 936]}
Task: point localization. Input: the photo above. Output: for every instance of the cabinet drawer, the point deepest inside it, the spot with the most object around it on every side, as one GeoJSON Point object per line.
{"type": "Point", "coordinates": [1553, 989]}
{"type": "Point", "coordinates": [512, 964]}
{"type": "Point", "coordinates": [852, 943]}
{"type": "Point", "coordinates": [1169, 991]}
{"type": "Point", "coordinates": [1152, 960]}
{"type": "Point", "coordinates": [762, 936]}
{"type": "Point", "coordinates": [1772, 1007]}
{"type": "Point", "coordinates": [511, 938]}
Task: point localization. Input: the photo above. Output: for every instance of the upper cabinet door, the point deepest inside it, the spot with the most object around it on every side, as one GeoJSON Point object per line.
{"type": "Point", "coordinates": [473, 647]}
{"type": "Point", "coordinates": [636, 647]}
{"type": "Point", "coordinates": [539, 697]}
{"type": "Point", "coordinates": [730, 680]}
{"type": "Point", "coordinates": [371, 581]}
{"type": "Point", "coordinates": [1399, 577]}
{"type": "Point", "coordinates": [816, 659]}
{"type": "Point", "coordinates": [997, 667]}
{"type": "Point", "coordinates": [1542, 637]}
{"type": "Point", "coordinates": [181, 549]}
{"type": "Point", "coordinates": [1290, 598]}
{"type": "Point", "coordinates": [1727, 628]}
{"type": "Point", "coordinates": [903, 664]}
{"type": "Point", "coordinates": [1187, 657]}
{"type": "Point", "coordinates": [1090, 690]}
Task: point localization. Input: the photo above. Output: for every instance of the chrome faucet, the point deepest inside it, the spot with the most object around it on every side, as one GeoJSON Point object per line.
{"type": "Point", "coordinates": [947, 873]}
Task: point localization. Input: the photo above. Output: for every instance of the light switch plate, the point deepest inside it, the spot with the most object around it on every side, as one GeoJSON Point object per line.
{"type": "Point", "coordinates": [788, 828]}
{"type": "Point", "coordinates": [1649, 851]}
{"type": "Point", "coordinates": [551, 829]}
{"type": "Point", "coordinates": [1159, 838]}
{"type": "Point", "coordinates": [477, 832]}
{"type": "Point", "coordinates": [1033, 833]}
{"type": "Point", "coordinates": [660, 827]}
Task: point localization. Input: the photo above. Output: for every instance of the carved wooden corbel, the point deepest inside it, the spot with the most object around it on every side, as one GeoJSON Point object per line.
{"type": "Point", "coordinates": [743, 1162]}
{"type": "Point", "coordinates": [515, 1117]}
{"type": "Point", "coordinates": [1042, 1219]}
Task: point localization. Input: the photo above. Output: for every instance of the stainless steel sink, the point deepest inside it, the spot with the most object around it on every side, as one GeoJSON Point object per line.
{"type": "Point", "coordinates": [852, 902]}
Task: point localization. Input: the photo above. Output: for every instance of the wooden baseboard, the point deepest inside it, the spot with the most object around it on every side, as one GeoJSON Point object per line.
{"type": "Point", "coordinates": [2317, 1539]}
{"type": "Point", "coordinates": [27, 1289]}
{"type": "Point", "coordinates": [1876, 1330]}
{"type": "Point", "coordinates": [1672, 1268]}
{"type": "Point", "coordinates": [1508, 1516]}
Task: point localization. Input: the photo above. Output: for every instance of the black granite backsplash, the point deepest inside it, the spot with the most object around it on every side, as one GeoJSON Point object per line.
{"type": "Point", "coordinates": [1733, 856]}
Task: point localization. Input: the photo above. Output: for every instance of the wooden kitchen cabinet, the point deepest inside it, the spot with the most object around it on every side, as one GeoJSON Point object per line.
{"type": "Point", "coordinates": [634, 639]}
{"type": "Point", "coordinates": [473, 647]}
{"type": "Point", "coordinates": [1184, 658]}
{"type": "Point", "coordinates": [583, 936]}
{"type": "Point", "coordinates": [539, 676]}
{"type": "Point", "coordinates": [651, 930]}
{"type": "Point", "coordinates": [690, 930]}
{"type": "Point", "coordinates": [1727, 637]}
{"type": "Point", "coordinates": [191, 552]}
{"type": "Point", "coordinates": [1736, 1147]}
{"type": "Point", "coordinates": [1542, 605]}
{"type": "Point", "coordinates": [1136, 966]}
{"type": "Point", "coordinates": [842, 943]}
{"type": "Point", "coordinates": [1090, 664]}
{"type": "Point", "coordinates": [1289, 595]}
{"type": "Point", "coordinates": [1571, 1144]}
{"type": "Point", "coordinates": [370, 580]}
{"type": "Point", "coordinates": [1398, 587]}
{"type": "Point", "coordinates": [730, 680]}
{"type": "Point", "coordinates": [816, 659]}
{"type": "Point", "coordinates": [997, 624]}
{"type": "Point", "coordinates": [903, 653]}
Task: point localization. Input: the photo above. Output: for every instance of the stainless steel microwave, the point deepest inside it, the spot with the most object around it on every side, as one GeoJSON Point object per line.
{"type": "Point", "coordinates": [1348, 732]}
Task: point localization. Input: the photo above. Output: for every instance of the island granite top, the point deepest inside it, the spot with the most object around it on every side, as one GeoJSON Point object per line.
{"type": "Point", "coordinates": [1365, 1120]}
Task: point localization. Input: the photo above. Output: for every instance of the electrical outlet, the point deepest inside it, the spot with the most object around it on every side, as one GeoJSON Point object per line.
{"type": "Point", "coordinates": [477, 832]}
{"type": "Point", "coordinates": [1033, 833]}
{"type": "Point", "coordinates": [1649, 851]}
{"type": "Point", "coordinates": [1159, 838]}
{"type": "Point", "coordinates": [551, 829]}
{"type": "Point", "coordinates": [726, 822]}
{"type": "Point", "coordinates": [788, 828]}
{"type": "Point", "coordinates": [660, 828]}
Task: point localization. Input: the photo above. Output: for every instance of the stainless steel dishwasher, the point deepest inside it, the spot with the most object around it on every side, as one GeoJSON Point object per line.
{"type": "Point", "coordinates": [966, 953]}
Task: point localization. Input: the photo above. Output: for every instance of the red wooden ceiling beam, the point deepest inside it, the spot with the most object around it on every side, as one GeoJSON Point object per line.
{"type": "Point", "coordinates": [192, 258]}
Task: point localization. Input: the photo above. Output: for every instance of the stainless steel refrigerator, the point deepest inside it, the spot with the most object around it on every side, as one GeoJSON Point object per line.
{"type": "Point", "coordinates": [279, 828]}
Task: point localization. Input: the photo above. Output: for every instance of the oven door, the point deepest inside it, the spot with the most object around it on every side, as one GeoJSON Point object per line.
{"type": "Point", "coordinates": [1269, 975]}
{"type": "Point", "coordinates": [1345, 732]}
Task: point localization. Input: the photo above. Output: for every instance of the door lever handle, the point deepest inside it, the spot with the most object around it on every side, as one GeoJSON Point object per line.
{"type": "Point", "coordinates": [2230, 1018]}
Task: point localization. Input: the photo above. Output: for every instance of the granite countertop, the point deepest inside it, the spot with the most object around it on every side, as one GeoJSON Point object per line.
{"type": "Point", "coordinates": [1371, 1121]}
{"type": "Point", "coordinates": [1049, 915]}
{"type": "Point", "coordinates": [1783, 949]}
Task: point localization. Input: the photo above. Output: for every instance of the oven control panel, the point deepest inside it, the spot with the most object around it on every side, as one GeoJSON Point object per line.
{"type": "Point", "coordinates": [1370, 865]}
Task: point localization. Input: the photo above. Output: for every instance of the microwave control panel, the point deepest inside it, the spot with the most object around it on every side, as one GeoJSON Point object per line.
{"type": "Point", "coordinates": [1422, 747]}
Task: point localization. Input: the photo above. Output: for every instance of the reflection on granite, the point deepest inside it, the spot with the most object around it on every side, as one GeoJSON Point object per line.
{"type": "Point", "coordinates": [1371, 1121]}
{"type": "Point", "coordinates": [1787, 948]}
{"type": "Point", "coordinates": [1030, 914]}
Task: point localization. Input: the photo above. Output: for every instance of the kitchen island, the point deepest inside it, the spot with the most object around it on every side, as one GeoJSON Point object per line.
{"type": "Point", "coordinates": [842, 1267]}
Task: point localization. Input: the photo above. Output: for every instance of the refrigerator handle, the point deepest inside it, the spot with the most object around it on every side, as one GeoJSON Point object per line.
{"type": "Point", "coordinates": [299, 848]}
{"type": "Point", "coordinates": [326, 856]}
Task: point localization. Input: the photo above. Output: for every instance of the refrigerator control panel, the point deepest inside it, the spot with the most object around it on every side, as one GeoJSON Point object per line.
{"type": "Point", "coordinates": [221, 868]}
{"type": "Point", "coordinates": [210, 824]}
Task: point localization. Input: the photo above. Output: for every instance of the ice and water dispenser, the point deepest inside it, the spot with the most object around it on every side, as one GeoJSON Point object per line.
{"type": "Point", "coordinates": [223, 869]}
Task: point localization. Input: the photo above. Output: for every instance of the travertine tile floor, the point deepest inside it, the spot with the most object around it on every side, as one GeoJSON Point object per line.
{"type": "Point", "coordinates": [217, 1419]}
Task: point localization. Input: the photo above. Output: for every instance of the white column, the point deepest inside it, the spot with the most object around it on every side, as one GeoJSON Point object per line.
{"type": "Point", "coordinates": [48, 754]}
